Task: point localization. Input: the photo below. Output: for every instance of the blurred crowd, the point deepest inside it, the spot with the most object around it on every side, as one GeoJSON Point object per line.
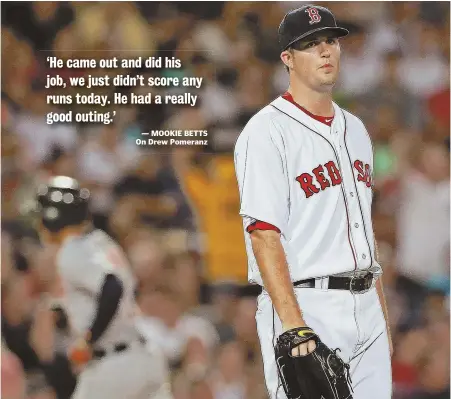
{"type": "Point", "coordinates": [175, 211]}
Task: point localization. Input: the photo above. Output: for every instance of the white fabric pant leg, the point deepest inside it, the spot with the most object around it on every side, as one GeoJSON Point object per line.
{"type": "Point", "coordinates": [371, 363]}
{"type": "Point", "coordinates": [268, 329]}
{"type": "Point", "coordinates": [341, 321]}
{"type": "Point", "coordinates": [132, 374]}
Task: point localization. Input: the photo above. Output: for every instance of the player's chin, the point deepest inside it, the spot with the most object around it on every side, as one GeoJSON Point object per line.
{"type": "Point", "coordinates": [328, 80]}
{"type": "Point", "coordinates": [325, 86]}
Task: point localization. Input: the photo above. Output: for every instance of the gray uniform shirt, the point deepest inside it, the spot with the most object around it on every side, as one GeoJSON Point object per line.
{"type": "Point", "coordinates": [83, 263]}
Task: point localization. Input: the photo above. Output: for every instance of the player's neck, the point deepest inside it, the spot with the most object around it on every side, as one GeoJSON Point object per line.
{"type": "Point", "coordinates": [71, 231]}
{"type": "Point", "coordinates": [318, 103]}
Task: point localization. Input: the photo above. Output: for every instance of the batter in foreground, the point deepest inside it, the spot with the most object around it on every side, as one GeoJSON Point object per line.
{"type": "Point", "coordinates": [107, 351]}
{"type": "Point", "coordinates": [304, 169]}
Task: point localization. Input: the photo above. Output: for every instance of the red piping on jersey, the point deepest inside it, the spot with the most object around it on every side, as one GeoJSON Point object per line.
{"type": "Point", "coordinates": [346, 208]}
{"type": "Point", "coordinates": [258, 225]}
{"type": "Point", "coordinates": [358, 196]}
{"type": "Point", "coordinates": [327, 120]}
{"type": "Point", "coordinates": [349, 229]}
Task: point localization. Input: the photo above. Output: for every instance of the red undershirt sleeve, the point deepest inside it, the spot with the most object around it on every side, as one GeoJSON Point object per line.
{"type": "Point", "coordinates": [259, 225]}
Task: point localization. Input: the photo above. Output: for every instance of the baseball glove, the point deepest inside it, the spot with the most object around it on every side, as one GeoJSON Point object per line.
{"type": "Point", "coordinates": [321, 374]}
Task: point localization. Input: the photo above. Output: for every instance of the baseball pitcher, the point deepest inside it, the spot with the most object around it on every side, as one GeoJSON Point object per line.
{"type": "Point", "coordinates": [304, 170]}
{"type": "Point", "coordinates": [98, 297]}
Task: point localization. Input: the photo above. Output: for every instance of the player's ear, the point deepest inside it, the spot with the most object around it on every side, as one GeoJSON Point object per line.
{"type": "Point", "coordinates": [287, 58]}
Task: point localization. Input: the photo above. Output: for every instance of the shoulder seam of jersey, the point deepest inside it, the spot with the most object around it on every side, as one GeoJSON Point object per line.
{"type": "Point", "coordinates": [262, 108]}
{"type": "Point", "coordinates": [297, 120]}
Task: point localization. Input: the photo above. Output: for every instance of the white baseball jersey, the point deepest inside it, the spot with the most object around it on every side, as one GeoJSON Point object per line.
{"type": "Point", "coordinates": [83, 263]}
{"type": "Point", "coordinates": [314, 183]}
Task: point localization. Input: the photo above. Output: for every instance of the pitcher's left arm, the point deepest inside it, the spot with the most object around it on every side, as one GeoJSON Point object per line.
{"type": "Point", "coordinates": [380, 292]}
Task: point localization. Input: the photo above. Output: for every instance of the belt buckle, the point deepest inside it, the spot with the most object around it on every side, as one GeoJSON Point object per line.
{"type": "Point", "coordinates": [351, 284]}
{"type": "Point", "coordinates": [367, 283]}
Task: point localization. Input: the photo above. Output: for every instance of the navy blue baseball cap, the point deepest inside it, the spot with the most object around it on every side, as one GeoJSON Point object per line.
{"type": "Point", "coordinates": [303, 21]}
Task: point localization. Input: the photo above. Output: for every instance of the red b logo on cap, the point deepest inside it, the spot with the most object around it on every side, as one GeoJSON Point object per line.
{"type": "Point", "coordinates": [314, 15]}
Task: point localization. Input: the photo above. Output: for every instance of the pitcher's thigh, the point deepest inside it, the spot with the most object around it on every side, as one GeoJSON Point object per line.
{"type": "Point", "coordinates": [269, 328]}
{"type": "Point", "coordinates": [371, 371]}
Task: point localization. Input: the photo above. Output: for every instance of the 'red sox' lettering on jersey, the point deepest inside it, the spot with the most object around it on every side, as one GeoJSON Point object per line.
{"type": "Point", "coordinates": [364, 171]}
{"type": "Point", "coordinates": [316, 181]}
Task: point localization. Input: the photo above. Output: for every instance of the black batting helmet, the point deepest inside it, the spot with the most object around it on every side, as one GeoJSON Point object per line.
{"type": "Point", "coordinates": [62, 202]}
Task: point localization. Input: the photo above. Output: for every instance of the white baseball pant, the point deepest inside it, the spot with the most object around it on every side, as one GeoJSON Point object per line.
{"type": "Point", "coordinates": [352, 322]}
{"type": "Point", "coordinates": [134, 373]}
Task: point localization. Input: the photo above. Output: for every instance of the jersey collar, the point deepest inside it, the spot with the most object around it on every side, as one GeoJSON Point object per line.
{"type": "Point", "coordinates": [326, 120]}
{"type": "Point", "coordinates": [294, 112]}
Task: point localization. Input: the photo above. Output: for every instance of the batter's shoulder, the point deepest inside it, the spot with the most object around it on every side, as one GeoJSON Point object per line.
{"type": "Point", "coordinates": [69, 252]}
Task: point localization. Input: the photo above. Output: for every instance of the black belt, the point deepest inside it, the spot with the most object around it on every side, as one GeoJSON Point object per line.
{"type": "Point", "coordinates": [119, 347]}
{"type": "Point", "coordinates": [353, 284]}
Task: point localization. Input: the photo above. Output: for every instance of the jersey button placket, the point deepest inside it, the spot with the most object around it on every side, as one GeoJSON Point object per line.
{"type": "Point", "coordinates": [339, 141]}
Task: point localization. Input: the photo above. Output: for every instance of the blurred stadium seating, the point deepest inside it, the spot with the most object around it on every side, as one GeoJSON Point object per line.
{"type": "Point", "coordinates": [175, 211]}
